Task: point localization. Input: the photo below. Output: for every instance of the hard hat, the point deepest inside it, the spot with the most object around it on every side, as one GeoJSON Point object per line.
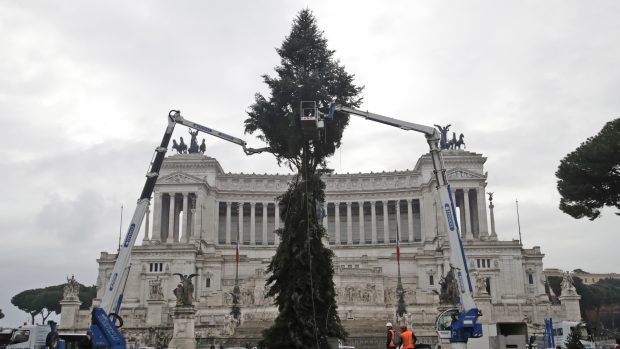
{"type": "Point", "coordinates": [389, 324]}
{"type": "Point", "coordinates": [403, 327]}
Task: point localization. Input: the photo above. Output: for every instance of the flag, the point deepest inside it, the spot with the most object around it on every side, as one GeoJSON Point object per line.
{"type": "Point", "coordinates": [397, 244]}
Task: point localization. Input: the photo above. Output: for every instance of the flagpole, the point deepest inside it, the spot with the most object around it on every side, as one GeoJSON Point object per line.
{"type": "Point", "coordinates": [400, 308]}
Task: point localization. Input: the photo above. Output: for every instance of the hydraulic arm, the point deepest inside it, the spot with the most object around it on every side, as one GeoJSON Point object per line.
{"type": "Point", "coordinates": [105, 317]}
{"type": "Point", "coordinates": [466, 325]}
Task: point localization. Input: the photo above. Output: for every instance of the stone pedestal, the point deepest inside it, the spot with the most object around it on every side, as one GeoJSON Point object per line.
{"type": "Point", "coordinates": [69, 313]}
{"type": "Point", "coordinates": [154, 312]}
{"type": "Point", "coordinates": [570, 305]}
{"type": "Point", "coordinates": [483, 302]}
{"type": "Point", "coordinates": [183, 334]}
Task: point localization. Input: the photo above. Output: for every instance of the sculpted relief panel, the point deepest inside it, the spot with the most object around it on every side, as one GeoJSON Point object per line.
{"type": "Point", "coordinates": [365, 294]}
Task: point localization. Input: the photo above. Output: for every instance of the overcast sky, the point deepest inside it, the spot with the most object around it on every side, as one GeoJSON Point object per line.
{"type": "Point", "coordinates": [85, 88]}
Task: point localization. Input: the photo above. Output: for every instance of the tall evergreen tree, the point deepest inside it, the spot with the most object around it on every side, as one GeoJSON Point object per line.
{"type": "Point", "coordinates": [301, 279]}
{"type": "Point", "coordinates": [589, 177]}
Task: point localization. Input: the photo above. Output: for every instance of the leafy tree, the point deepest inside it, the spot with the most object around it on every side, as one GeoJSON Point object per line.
{"type": "Point", "coordinates": [589, 177]}
{"type": "Point", "coordinates": [301, 279]}
{"type": "Point", "coordinates": [45, 301]}
{"type": "Point", "coordinates": [609, 281]}
{"type": "Point", "coordinates": [599, 298]}
{"type": "Point", "coordinates": [30, 302]}
{"type": "Point", "coordinates": [1, 314]}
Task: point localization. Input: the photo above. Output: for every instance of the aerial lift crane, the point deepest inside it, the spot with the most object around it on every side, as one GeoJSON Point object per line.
{"type": "Point", "coordinates": [106, 321]}
{"type": "Point", "coordinates": [462, 323]}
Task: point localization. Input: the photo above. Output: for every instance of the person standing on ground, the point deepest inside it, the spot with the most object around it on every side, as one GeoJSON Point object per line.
{"type": "Point", "coordinates": [407, 338]}
{"type": "Point", "coordinates": [390, 336]}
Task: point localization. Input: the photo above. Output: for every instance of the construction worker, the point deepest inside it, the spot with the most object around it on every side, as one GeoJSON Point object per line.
{"type": "Point", "coordinates": [390, 336]}
{"type": "Point", "coordinates": [407, 338]}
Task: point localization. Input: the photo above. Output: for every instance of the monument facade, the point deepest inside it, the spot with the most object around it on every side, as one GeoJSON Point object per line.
{"type": "Point", "coordinates": [198, 210]}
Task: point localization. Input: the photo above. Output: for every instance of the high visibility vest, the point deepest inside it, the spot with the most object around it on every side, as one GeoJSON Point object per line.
{"type": "Point", "coordinates": [407, 340]}
{"type": "Point", "coordinates": [392, 345]}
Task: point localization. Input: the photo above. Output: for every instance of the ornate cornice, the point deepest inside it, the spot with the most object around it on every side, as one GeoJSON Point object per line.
{"type": "Point", "coordinates": [179, 178]}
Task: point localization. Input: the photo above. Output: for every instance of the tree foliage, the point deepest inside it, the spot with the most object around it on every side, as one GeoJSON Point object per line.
{"type": "Point", "coordinates": [1, 314]}
{"type": "Point", "coordinates": [45, 301]}
{"type": "Point", "coordinates": [573, 339]}
{"type": "Point", "coordinates": [594, 298]}
{"type": "Point", "coordinates": [589, 177]}
{"type": "Point", "coordinates": [301, 271]}
{"type": "Point", "coordinates": [308, 72]}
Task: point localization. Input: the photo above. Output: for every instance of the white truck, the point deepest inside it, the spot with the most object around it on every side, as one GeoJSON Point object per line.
{"type": "Point", "coordinates": [563, 329]}
{"type": "Point", "coordinates": [29, 337]}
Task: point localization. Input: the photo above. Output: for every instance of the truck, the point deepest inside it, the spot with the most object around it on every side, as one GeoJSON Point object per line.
{"type": "Point", "coordinates": [105, 318]}
{"type": "Point", "coordinates": [459, 324]}
{"type": "Point", "coordinates": [29, 337]}
{"type": "Point", "coordinates": [563, 329]}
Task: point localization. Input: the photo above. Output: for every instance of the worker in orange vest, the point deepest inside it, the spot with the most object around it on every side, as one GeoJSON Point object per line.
{"type": "Point", "coordinates": [407, 338]}
{"type": "Point", "coordinates": [390, 336]}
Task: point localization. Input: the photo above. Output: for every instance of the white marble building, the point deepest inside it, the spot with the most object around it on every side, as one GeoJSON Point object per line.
{"type": "Point", "coordinates": [198, 209]}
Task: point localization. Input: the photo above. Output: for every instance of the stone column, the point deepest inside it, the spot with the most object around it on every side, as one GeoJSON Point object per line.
{"type": "Point", "coordinates": [193, 235]}
{"type": "Point", "coordinates": [265, 206]}
{"type": "Point", "coordinates": [171, 220]}
{"type": "Point", "coordinates": [493, 233]}
{"type": "Point", "coordinates": [156, 236]}
{"type": "Point", "coordinates": [386, 226]}
{"type": "Point", "coordinates": [185, 216]}
{"type": "Point", "coordinates": [361, 218]}
{"type": "Point", "coordinates": [252, 223]}
{"type": "Point", "coordinates": [349, 224]}
{"type": "Point", "coordinates": [468, 225]}
{"type": "Point", "coordinates": [146, 225]}
{"type": "Point", "coordinates": [425, 234]}
{"type": "Point", "coordinates": [325, 225]}
{"type": "Point", "coordinates": [410, 219]}
{"type": "Point", "coordinates": [240, 222]}
{"type": "Point", "coordinates": [373, 221]}
{"type": "Point", "coordinates": [337, 221]}
{"type": "Point", "coordinates": [228, 222]}
{"type": "Point", "coordinates": [399, 226]}
{"type": "Point", "coordinates": [482, 215]}
{"type": "Point", "coordinates": [276, 222]}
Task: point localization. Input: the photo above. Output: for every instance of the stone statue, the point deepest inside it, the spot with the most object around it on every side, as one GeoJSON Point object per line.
{"type": "Point", "coordinates": [193, 145]}
{"type": "Point", "coordinates": [185, 290]}
{"type": "Point", "coordinates": [155, 291]}
{"type": "Point", "coordinates": [448, 289]}
{"type": "Point", "coordinates": [460, 142]}
{"type": "Point", "coordinates": [203, 147]}
{"type": "Point", "coordinates": [443, 143]}
{"type": "Point", "coordinates": [480, 283]}
{"type": "Point", "coordinates": [180, 148]}
{"type": "Point", "coordinates": [568, 285]}
{"type": "Point", "coordinates": [490, 196]}
{"type": "Point", "coordinates": [452, 143]}
{"type": "Point", "coordinates": [71, 289]}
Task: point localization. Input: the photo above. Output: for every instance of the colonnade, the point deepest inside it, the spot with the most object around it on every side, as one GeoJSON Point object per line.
{"type": "Point", "coordinates": [174, 217]}
{"type": "Point", "coordinates": [348, 222]}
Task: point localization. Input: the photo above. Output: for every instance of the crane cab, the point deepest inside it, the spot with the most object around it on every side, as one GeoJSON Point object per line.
{"type": "Point", "coordinates": [311, 121]}
{"type": "Point", "coordinates": [443, 323]}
